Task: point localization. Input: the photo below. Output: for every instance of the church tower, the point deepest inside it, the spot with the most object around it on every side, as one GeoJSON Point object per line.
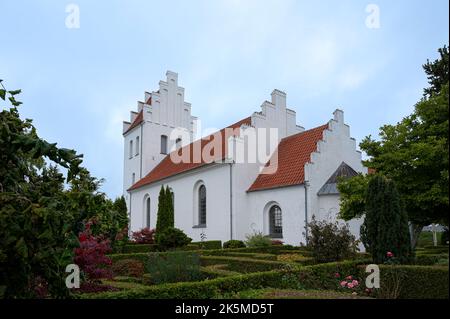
{"type": "Point", "coordinates": [161, 123]}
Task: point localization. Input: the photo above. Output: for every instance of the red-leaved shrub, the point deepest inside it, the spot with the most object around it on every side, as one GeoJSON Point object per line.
{"type": "Point", "coordinates": [144, 236]}
{"type": "Point", "coordinates": [277, 242]}
{"type": "Point", "coordinates": [91, 255]}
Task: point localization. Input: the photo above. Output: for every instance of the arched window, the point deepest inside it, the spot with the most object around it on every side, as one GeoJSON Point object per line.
{"type": "Point", "coordinates": [163, 144]}
{"type": "Point", "coordinates": [131, 149]}
{"type": "Point", "coordinates": [147, 212]}
{"type": "Point", "coordinates": [275, 222]}
{"type": "Point", "coordinates": [137, 145]}
{"type": "Point", "coordinates": [202, 205]}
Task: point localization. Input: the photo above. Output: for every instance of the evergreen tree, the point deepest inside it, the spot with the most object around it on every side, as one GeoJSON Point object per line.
{"type": "Point", "coordinates": [161, 221]}
{"type": "Point", "coordinates": [385, 228]}
{"type": "Point", "coordinates": [120, 208]}
{"type": "Point", "coordinates": [170, 208]}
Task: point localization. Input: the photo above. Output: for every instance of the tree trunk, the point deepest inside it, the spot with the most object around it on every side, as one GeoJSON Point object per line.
{"type": "Point", "coordinates": [414, 231]}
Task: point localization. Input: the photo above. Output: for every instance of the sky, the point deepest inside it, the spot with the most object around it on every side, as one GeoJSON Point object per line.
{"type": "Point", "coordinates": [80, 77]}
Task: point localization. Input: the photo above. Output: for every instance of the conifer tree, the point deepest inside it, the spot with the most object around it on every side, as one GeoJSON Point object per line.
{"type": "Point", "coordinates": [161, 216]}
{"type": "Point", "coordinates": [385, 228]}
{"type": "Point", "coordinates": [170, 208]}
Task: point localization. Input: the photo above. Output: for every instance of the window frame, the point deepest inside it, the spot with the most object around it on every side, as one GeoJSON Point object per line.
{"type": "Point", "coordinates": [164, 146]}
{"type": "Point", "coordinates": [275, 222]}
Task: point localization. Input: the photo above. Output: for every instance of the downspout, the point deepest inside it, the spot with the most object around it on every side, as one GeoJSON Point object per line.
{"type": "Point", "coordinates": [129, 217]}
{"type": "Point", "coordinates": [306, 184]}
{"type": "Point", "coordinates": [231, 200]}
{"type": "Point", "coordinates": [141, 152]}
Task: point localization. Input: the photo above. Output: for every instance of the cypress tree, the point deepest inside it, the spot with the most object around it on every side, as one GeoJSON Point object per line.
{"type": "Point", "coordinates": [161, 216]}
{"type": "Point", "coordinates": [170, 208]}
{"type": "Point", "coordinates": [385, 228]}
{"type": "Point", "coordinates": [120, 208]}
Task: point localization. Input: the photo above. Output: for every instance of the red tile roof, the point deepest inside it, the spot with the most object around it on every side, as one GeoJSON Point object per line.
{"type": "Point", "coordinates": [138, 120]}
{"type": "Point", "coordinates": [293, 153]}
{"type": "Point", "coordinates": [167, 168]}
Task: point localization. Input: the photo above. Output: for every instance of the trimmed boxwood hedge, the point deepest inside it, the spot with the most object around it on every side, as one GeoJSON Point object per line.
{"type": "Point", "coordinates": [243, 265]}
{"type": "Point", "coordinates": [418, 282]}
{"type": "Point", "coordinates": [209, 244]}
{"type": "Point", "coordinates": [195, 290]}
{"type": "Point", "coordinates": [429, 259]}
{"type": "Point", "coordinates": [251, 255]}
{"type": "Point", "coordinates": [139, 248]}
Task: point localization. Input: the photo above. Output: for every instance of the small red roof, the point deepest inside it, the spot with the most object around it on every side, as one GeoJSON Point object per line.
{"type": "Point", "coordinates": [293, 153]}
{"type": "Point", "coordinates": [167, 168]}
{"type": "Point", "coordinates": [138, 120]}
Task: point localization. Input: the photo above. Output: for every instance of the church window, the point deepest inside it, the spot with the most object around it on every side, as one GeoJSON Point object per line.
{"type": "Point", "coordinates": [163, 144]}
{"type": "Point", "coordinates": [275, 222]}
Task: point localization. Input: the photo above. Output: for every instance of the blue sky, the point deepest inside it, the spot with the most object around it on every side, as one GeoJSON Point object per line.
{"type": "Point", "coordinates": [80, 84]}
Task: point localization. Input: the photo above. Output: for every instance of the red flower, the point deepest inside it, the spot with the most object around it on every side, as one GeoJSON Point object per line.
{"type": "Point", "coordinates": [389, 254]}
{"type": "Point", "coordinates": [337, 275]}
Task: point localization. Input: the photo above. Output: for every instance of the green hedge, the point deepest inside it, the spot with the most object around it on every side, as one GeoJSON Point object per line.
{"type": "Point", "coordinates": [195, 290]}
{"type": "Point", "coordinates": [209, 244]}
{"type": "Point", "coordinates": [274, 250]}
{"type": "Point", "coordinates": [429, 259]}
{"type": "Point", "coordinates": [243, 265]}
{"type": "Point", "coordinates": [139, 248]}
{"type": "Point", "coordinates": [416, 282]}
{"type": "Point", "coordinates": [215, 272]}
{"type": "Point", "coordinates": [429, 282]}
{"type": "Point", "coordinates": [251, 255]}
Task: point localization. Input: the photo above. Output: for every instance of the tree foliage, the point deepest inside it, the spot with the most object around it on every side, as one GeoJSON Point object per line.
{"type": "Point", "coordinates": [414, 153]}
{"type": "Point", "coordinates": [165, 217]}
{"type": "Point", "coordinates": [385, 227]}
{"type": "Point", "coordinates": [40, 219]}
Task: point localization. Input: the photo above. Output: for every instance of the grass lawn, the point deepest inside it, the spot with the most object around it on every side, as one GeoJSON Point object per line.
{"type": "Point", "coordinates": [270, 293]}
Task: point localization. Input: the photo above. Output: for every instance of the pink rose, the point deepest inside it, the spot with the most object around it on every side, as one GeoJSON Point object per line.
{"type": "Point", "coordinates": [343, 283]}
{"type": "Point", "coordinates": [337, 275]}
{"type": "Point", "coordinates": [349, 278]}
{"type": "Point", "coordinates": [389, 254]}
{"type": "Point", "coordinates": [350, 285]}
{"type": "Point", "coordinates": [355, 283]}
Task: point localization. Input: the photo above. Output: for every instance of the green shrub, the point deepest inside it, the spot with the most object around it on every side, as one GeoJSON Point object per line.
{"type": "Point", "coordinates": [258, 239]}
{"type": "Point", "coordinates": [128, 267]}
{"type": "Point", "coordinates": [330, 241]}
{"type": "Point", "coordinates": [429, 259]}
{"type": "Point", "coordinates": [209, 244]}
{"type": "Point", "coordinates": [242, 265]}
{"type": "Point", "coordinates": [171, 238]}
{"type": "Point", "coordinates": [413, 282]}
{"type": "Point", "coordinates": [173, 266]}
{"type": "Point", "coordinates": [215, 271]}
{"type": "Point", "coordinates": [233, 244]}
{"type": "Point", "coordinates": [275, 250]}
{"type": "Point", "coordinates": [139, 248]}
{"type": "Point", "coordinates": [251, 255]}
{"type": "Point", "coordinates": [196, 290]}
{"type": "Point", "coordinates": [189, 247]}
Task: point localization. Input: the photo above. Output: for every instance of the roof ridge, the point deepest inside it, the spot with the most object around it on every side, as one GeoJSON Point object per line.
{"type": "Point", "coordinates": [305, 131]}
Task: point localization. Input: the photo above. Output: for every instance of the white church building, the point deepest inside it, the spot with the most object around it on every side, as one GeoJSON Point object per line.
{"type": "Point", "coordinates": [226, 195]}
